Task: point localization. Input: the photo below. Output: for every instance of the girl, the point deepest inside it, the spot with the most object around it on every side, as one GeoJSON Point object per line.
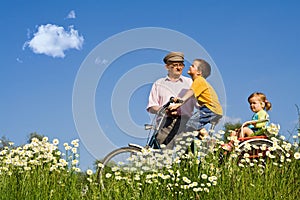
{"type": "Point", "coordinates": [259, 105]}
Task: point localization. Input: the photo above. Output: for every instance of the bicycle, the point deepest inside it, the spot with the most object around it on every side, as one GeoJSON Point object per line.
{"type": "Point", "coordinates": [255, 147]}
{"type": "Point", "coordinates": [124, 157]}
{"type": "Point", "coordinates": [131, 156]}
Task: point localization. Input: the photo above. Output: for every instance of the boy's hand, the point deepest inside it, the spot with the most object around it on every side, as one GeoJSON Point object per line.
{"type": "Point", "coordinates": [173, 108]}
{"type": "Point", "coordinates": [177, 100]}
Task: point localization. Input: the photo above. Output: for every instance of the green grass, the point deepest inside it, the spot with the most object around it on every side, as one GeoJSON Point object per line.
{"type": "Point", "coordinates": [40, 171]}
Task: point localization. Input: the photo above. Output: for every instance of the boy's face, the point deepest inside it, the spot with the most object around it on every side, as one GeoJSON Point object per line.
{"type": "Point", "coordinates": [193, 70]}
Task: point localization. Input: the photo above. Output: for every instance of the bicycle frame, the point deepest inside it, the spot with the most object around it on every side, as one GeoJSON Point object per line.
{"type": "Point", "coordinates": [157, 124]}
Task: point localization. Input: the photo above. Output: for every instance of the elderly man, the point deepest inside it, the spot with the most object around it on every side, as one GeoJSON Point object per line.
{"type": "Point", "coordinates": [173, 85]}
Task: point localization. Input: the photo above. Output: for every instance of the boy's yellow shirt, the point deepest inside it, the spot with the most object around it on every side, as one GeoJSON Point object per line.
{"type": "Point", "coordinates": [206, 95]}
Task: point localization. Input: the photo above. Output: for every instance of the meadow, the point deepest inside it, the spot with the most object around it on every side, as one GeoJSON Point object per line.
{"type": "Point", "coordinates": [40, 170]}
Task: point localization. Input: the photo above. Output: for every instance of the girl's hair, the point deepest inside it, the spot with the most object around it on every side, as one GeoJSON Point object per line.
{"type": "Point", "coordinates": [203, 67]}
{"type": "Point", "coordinates": [263, 98]}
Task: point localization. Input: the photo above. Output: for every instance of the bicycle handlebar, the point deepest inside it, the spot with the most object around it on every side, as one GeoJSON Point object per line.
{"type": "Point", "coordinates": [172, 101]}
{"type": "Point", "coordinates": [164, 107]}
{"type": "Point", "coordinates": [251, 122]}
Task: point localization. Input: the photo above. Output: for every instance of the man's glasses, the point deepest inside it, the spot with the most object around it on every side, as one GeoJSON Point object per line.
{"type": "Point", "coordinates": [173, 65]}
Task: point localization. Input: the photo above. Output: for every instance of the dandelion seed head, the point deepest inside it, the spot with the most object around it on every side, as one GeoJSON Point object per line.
{"type": "Point", "coordinates": [89, 180]}
{"type": "Point", "coordinates": [137, 177]}
{"type": "Point", "coordinates": [182, 142]}
{"type": "Point", "coordinates": [204, 176]}
{"type": "Point", "coordinates": [295, 144]}
{"type": "Point", "coordinates": [288, 146]}
{"type": "Point", "coordinates": [149, 181]}
{"type": "Point", "coordinates": [77, 169]}
{"type": "Point", "coordinates": [246, 155]}
{"type": "Point", "coordinates": [67, 148]}
{"type": "Point", "coordinates": [185, 179]}
{"type": "Point", "coordinates": [74, 150]}
{"type": "Point", "coordinates": [233, 155]}
{"type": "Point", "coordinates": [89, 172]}
{"type": "Point", "coordinates": [263, 147]}
{"type": "Point", "coordinates": [297, 155]}
{"type": "Point", "coordinates": [241, 165]}
{"type": "Point", "coordinates": [45, 139]}
{"type": "Point", "coordinates": [197, 189]}
{"type": "Point", "coordinates": [108, 175]}
{"type": "Point", "coordinates": [55, 141]}
{"type": "Point", "coordinates": [282, 137]}
{"type": "Point", "coordinates": [115, 168]}
{"type": "Point", "coordinates": [75, 162]}
{"type": "Point", "coordinates": [100, 165]}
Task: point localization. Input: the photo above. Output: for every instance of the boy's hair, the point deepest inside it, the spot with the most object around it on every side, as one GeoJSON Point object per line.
{"type": "Point", "coordinates": [204, 68]}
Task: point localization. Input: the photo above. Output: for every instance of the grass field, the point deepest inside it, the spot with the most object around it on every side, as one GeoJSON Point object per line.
{"type": "Point", "coordinates": [39, 170]}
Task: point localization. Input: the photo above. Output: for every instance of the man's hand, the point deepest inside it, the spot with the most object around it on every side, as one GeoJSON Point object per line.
{"type": "Point", "coordinates": [173, 108]}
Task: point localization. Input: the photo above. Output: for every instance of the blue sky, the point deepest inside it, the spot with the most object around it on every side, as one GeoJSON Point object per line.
{"type": "Point", "coordinates": [46, 46]}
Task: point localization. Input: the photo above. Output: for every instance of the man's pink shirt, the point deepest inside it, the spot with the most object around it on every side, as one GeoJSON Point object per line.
{"type": "Point", "coordinates": [163, 89]}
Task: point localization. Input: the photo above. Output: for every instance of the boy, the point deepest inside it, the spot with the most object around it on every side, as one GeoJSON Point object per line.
{"type": "Point", "coordinates": [209, 106]}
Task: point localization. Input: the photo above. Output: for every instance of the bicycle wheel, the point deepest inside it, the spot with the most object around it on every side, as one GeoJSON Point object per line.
{"type": "Point", "coordinates": [258, 148]}
{"type": "Point", "coordinates": [120, 160]}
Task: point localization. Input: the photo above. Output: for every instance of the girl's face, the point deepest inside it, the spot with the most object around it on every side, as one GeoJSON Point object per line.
{"type": "Point", "coordinates": [256, 104]}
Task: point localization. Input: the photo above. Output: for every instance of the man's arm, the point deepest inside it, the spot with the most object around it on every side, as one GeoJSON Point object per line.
{"type": "Point", "coordinates": [154, 109]}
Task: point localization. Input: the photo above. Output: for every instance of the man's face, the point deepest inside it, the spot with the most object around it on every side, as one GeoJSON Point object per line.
{"type": "Point", "coordinates": [175, 68]}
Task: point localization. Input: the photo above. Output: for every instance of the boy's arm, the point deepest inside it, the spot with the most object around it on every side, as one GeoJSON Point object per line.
{"type": "Point", "coordinates": [185, 97]}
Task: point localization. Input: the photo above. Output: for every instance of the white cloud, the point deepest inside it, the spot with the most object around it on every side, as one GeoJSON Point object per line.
{"type": "Point", "coordinates": [231, 119]}
{"type": "Point", "coordinates": [53, 40]}
{"type": "Point", "coordinates": [71, 15]}
{"type": "Point", "coordinates": [19, 60]}
{"type": "Point", "coordinates": [28, 33]}
{"type": "Point", "coordinates": [100, 61]}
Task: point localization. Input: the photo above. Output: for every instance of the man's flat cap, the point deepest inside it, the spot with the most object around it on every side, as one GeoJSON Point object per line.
{"type": "Point", "coordinates": [174, 57]}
